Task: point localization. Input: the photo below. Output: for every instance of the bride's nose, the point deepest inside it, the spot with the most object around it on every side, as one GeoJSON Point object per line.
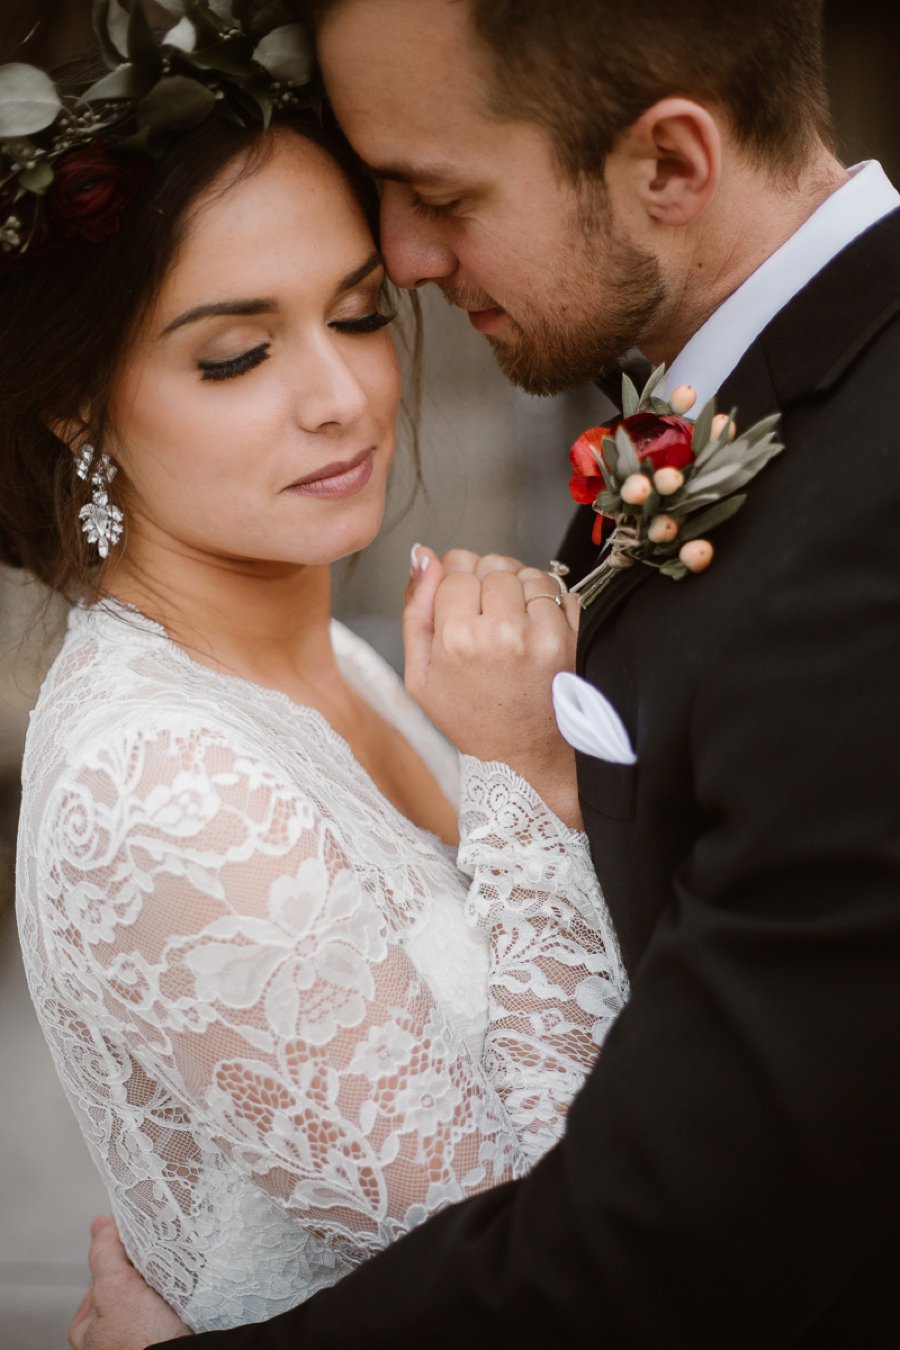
{"type": "Point", "coordinates": [331, 393]}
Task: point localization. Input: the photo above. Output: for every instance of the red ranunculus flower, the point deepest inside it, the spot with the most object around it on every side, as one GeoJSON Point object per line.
{"type": "Point", "coordinates": [92, 188]}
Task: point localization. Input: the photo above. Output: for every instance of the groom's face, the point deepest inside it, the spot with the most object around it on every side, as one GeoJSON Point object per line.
{"type": "Point", "coordinates": [479, 205]}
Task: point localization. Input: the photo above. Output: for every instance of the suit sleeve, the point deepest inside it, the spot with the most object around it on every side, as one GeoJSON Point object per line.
{"type": "Point", "coordinates": [731, 1164]}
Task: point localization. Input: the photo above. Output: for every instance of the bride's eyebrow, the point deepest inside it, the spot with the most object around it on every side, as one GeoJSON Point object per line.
{"type": "Point", "coordinates": [359, 274]}
{"type": "Point", "coordinates": [249, 308]}
{"type": "Point", "coordinates": [240, 308]}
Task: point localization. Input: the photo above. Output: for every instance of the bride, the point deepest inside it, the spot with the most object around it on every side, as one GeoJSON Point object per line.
{"type": "Point", "coordinates": [306, 975]}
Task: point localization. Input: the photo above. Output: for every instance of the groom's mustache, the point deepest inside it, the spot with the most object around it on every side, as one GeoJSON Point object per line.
{"type": "Point", "coordinates": [469, 300]}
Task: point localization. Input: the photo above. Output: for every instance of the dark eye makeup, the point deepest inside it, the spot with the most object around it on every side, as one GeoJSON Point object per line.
{"type": "Point", "coordinates": [249, 360]}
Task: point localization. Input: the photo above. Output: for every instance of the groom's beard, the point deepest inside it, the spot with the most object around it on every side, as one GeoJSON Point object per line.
{"type": "Point", "coordinates": [612, 291]}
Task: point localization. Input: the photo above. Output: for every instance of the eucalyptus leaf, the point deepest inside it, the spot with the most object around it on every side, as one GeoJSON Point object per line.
{"type": "Point", "coordinates": [223, 10]}
{"type": "Point", "coordinates": [703, 426]}
{"type": "Point", "coordinates": [628, 460]}
{"type": "Point", "coordinates": [124, 83]}
{"type": "Point", "coordinates": [28, 100]}
{"type": "Point", "coordinates": [37, 179]}
{"type": "Point", "coordinates": [209, 28]}
{"type": "Point", "coordinates": [286, 54]}
{"type": "Point", "coordinates": [117, 21]}
{"type": "Point", "coordinates": [231, 57]}
{"type": "Point", "coordinates": [100, 17]}
{"type": "Point", "coordinates": [143, 49]}
{"type": "Point", "coordinates": [630, 398]}
{"type": "Point", "coordinates": [706, 521]}
{"type": "Point", "coordinates": [183, 36]}
{"type": "Point", "coordinates": [173, 103]}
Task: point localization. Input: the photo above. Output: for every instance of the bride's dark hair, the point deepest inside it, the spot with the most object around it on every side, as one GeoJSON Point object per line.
{"type": "Point", "coordinates": [66, 320]}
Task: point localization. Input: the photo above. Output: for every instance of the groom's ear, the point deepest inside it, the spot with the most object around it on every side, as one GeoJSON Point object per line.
{"type": "Point", "coordinates": [674, 153]}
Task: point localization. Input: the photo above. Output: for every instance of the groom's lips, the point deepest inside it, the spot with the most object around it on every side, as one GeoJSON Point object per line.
{"type": "Point", "coordinates": [486, 320]}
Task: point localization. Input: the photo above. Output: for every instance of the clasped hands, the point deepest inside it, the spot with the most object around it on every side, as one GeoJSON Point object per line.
{"type": "Point", "coordinates": [483, 639]}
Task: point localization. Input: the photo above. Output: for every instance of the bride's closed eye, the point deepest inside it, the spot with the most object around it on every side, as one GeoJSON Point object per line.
{"type": "Point", "coordinates": [235, 365]}
{"type": "Point", "coordinates": [369, 323]}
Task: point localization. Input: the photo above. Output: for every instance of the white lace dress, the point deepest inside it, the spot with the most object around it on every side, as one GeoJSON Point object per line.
{"type": "Point", "coordinates": [291, 1024]}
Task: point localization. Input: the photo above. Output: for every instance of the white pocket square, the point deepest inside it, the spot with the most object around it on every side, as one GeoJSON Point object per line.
{"type": "Point", "coordinates": [589, 722]}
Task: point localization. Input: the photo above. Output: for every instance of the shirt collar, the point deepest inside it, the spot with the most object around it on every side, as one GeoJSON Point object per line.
{"type": "Point", "coordinates": [715, 349]}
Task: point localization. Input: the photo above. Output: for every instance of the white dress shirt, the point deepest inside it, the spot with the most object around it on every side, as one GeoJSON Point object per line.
{"type": "Point", "coordinates": [715, 349]}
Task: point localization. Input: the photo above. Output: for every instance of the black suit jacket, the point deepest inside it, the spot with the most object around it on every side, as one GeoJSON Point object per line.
{"type": "Point", "coordinates": [730, 1174]}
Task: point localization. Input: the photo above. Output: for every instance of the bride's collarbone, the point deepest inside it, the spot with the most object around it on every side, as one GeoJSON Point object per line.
{"type": "Point", "coordinates": [394, 766]}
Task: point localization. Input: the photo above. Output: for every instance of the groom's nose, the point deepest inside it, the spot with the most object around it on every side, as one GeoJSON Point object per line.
{"type": "Point", "coordinates": [412, 247]}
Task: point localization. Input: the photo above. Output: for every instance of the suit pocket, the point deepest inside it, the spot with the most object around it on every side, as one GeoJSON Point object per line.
{"type": "Point", "coordinates": [608, 789]}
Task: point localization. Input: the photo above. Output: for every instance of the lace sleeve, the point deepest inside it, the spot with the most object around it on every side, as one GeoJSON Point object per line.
{"type": "Point", "coordinates": [210, 921]}
{"type": "Point", "coordinates": [556, 978]}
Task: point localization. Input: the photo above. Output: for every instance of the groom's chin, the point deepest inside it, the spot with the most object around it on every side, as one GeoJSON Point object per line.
{"type": "Point", "coordinates": [536, 373]}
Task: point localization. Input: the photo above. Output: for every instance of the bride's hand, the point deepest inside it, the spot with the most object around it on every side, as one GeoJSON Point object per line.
{"type": "Point", "coordinates": [484, 639]}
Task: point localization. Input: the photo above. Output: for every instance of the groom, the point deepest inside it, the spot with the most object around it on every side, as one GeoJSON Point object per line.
{"type": "Point", "coordinates": [584, 176]}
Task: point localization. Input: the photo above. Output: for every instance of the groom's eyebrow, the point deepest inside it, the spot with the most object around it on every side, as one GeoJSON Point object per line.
{"type": "Point", "coordinates": [426, 175]}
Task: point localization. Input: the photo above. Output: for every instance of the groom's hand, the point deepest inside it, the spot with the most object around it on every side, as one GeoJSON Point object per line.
{"type": "Point", "coordinates": [484, 638]}
{"type": "Point", "coordinates": [119, 1311]}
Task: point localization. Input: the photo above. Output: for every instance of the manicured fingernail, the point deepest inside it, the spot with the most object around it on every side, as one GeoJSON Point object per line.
{"type": "Point", "coordinates": [418, 562]}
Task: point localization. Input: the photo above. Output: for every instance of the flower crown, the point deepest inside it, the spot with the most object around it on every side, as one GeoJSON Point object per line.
{"type": "Point", "coordinates": [72, 156]}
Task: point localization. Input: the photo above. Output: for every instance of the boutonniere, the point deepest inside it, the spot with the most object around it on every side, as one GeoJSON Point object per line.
{"type": "Point", "coordinates": [661, 483]}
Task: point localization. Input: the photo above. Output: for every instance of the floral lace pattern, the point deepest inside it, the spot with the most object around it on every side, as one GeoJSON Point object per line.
{"type": "Point", "coordinates": [291, 1024]}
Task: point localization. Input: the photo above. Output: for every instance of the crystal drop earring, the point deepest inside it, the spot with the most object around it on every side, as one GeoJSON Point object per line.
{"type": "Point", "coordinates": [101, 521]}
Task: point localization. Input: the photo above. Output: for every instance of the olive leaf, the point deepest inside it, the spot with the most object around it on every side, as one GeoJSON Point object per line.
{"type": "Point", "coordinates": [703, 427]}
{"type": "Point", "coordinates": [28, 100]}
{"type": "Point", "coordinates": [655, 379]}
{"type": "Point", "coordinates": [715, 443]}
{"type": "Point", "coordinates": [608, 457]}
{"type": "Point", "coordinates": [630, 398]}
{"type": "Point", "coordinates": [175, 102]}
{"type": "Point", "coordinates": [701, 524]}
{"type": "Point", "coordinates": [628, 460]}
{"type": "Point", "coordinates": [608, 503]}
{"type": "Point", "coordinates": [674, 570]}
{"type": "Point", "coordinates": [286, 53]}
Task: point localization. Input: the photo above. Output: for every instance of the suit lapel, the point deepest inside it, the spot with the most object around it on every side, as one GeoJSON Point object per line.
{"type": "Point", "coordinates": [802, 353]}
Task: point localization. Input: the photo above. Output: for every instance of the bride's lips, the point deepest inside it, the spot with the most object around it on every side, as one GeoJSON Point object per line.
{"type": "Point", "coordinates": [486, 320]}
{"type": "Point", "coordinates": [340, 479]}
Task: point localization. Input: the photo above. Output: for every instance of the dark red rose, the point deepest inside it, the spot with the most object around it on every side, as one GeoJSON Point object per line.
{"type": "Point", "coordinates": [666, 441]}
{"type": "Point", "coordinates": [92, 189]}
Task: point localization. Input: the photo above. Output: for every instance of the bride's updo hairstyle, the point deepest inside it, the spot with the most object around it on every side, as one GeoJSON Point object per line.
{"type": "Point", "coordinates": [68, 315]}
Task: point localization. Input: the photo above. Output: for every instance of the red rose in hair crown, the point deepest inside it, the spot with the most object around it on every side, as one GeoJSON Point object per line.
{"type": "Point", "coordinates": [92, 189]}
{"type": "Point", "coordinates": [660, 483]}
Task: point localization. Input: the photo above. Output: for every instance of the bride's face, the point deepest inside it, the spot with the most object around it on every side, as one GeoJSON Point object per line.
{"type": "Point", "coordinates": [255, 414]}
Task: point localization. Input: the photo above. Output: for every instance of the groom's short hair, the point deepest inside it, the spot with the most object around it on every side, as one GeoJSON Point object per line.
{"type": "Point", "coordinates": [587, 69]}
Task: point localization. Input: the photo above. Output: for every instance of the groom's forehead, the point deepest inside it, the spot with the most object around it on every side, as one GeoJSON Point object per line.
{"type": "Point", "coordinates": [415, 110]}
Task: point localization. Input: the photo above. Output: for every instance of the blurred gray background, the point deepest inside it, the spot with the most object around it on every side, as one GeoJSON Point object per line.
{"type": "Point", "coordinates": [495, 473]}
